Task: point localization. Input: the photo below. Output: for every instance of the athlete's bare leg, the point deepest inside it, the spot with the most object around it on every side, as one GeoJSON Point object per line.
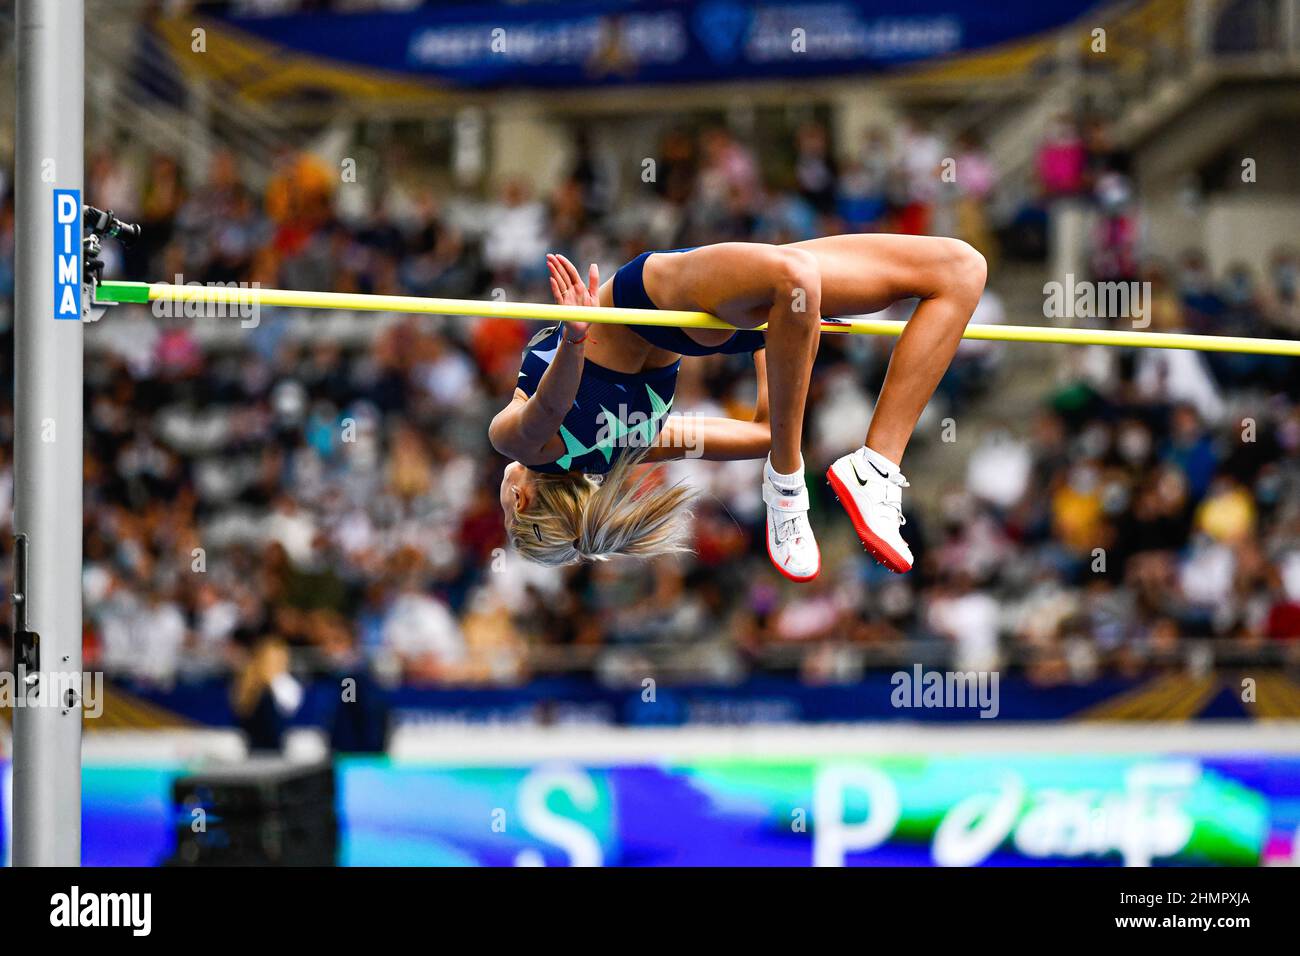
{"type": "Point", "coordinates": [865, 273]}
{"type": "Point", "coordinates": [790, 287]}
{"type": "Point", "coordinates": [747, 284]}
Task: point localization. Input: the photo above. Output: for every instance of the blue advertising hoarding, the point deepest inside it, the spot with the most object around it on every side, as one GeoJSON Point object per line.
{"type": "Point", "coordinates": [879, 810]}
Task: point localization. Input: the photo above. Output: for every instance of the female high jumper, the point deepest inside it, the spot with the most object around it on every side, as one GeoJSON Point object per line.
{"type": "Point", "coordinates": [594, 400]}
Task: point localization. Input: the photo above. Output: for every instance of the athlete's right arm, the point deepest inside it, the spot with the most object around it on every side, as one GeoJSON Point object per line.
{"type": "Point", "coordinates": [523, 428]}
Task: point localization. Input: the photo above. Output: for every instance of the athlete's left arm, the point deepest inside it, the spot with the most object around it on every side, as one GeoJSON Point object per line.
{"type": "Point", "coordinates": [718, 439]}
{"type": "Point", "coordinates": [760, 372]}
{"type": "Point", "coordinates": [710, 439]}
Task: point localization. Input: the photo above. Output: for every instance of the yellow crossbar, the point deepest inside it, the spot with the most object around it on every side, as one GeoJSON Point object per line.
{"type": "Point", "coordinates": [126, 292]}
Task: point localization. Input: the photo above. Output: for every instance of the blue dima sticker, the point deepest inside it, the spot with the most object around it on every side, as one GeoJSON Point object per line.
{"type": "Point", "coordinates": [67, 254]}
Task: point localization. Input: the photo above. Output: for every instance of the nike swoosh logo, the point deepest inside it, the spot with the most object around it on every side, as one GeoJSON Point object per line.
{"type": "Point", "coordinates": [863, 481]}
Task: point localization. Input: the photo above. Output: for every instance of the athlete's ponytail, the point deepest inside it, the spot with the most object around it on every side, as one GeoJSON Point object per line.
{"type": "Point", "coordinates": [572, 518]}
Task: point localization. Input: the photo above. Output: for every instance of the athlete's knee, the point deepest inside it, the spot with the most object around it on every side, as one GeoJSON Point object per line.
{"type": "Point", "coordinates": [798, 283]}
{"type": "Point", "coordinates": [964, 269]}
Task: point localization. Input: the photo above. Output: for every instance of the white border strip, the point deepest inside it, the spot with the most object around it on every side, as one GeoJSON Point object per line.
{"type": "Point", "coordinates": [471, 745]}
{"type": "Point", "coordinates": [475, 746]}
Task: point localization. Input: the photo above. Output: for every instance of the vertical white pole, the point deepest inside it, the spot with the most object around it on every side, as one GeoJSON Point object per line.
{"type": "Point", "coordinates": [47, 441]}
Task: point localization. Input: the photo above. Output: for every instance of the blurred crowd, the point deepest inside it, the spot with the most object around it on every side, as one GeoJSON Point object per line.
{"type": "Point", "coordinates": [339, 493]}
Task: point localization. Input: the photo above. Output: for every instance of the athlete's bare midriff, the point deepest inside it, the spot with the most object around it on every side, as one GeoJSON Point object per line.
{"type": "Point", "coordinates": [619, 348]}
{"type": "Point", "coordinates": [671, 287]}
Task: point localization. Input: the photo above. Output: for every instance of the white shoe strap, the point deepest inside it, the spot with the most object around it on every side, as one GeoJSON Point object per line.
{"type": "Point", "coordinates": [788, 504]}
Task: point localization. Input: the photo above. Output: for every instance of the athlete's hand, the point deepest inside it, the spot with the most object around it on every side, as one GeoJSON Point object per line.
{"type": "Point", "coordinates": [568, 288]}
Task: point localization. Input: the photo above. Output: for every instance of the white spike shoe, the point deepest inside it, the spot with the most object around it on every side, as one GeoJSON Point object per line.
{"type": "Point", "coordinates": [790, 541]}
{"type": "Point", "coordinates": [874, 501]}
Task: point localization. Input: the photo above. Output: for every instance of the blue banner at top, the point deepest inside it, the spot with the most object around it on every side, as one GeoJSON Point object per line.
{"type": "Point", "coordinates": [668, 41]}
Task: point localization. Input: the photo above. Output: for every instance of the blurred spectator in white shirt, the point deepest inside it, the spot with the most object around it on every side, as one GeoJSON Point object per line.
{"type": "Point", "coordinates": [421, 633]}
{"type": "Point", "coordinates": [516, 238]}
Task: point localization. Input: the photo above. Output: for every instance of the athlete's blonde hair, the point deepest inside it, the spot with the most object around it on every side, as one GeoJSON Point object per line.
{"type": "Point", "coordinates": [572, 518]}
